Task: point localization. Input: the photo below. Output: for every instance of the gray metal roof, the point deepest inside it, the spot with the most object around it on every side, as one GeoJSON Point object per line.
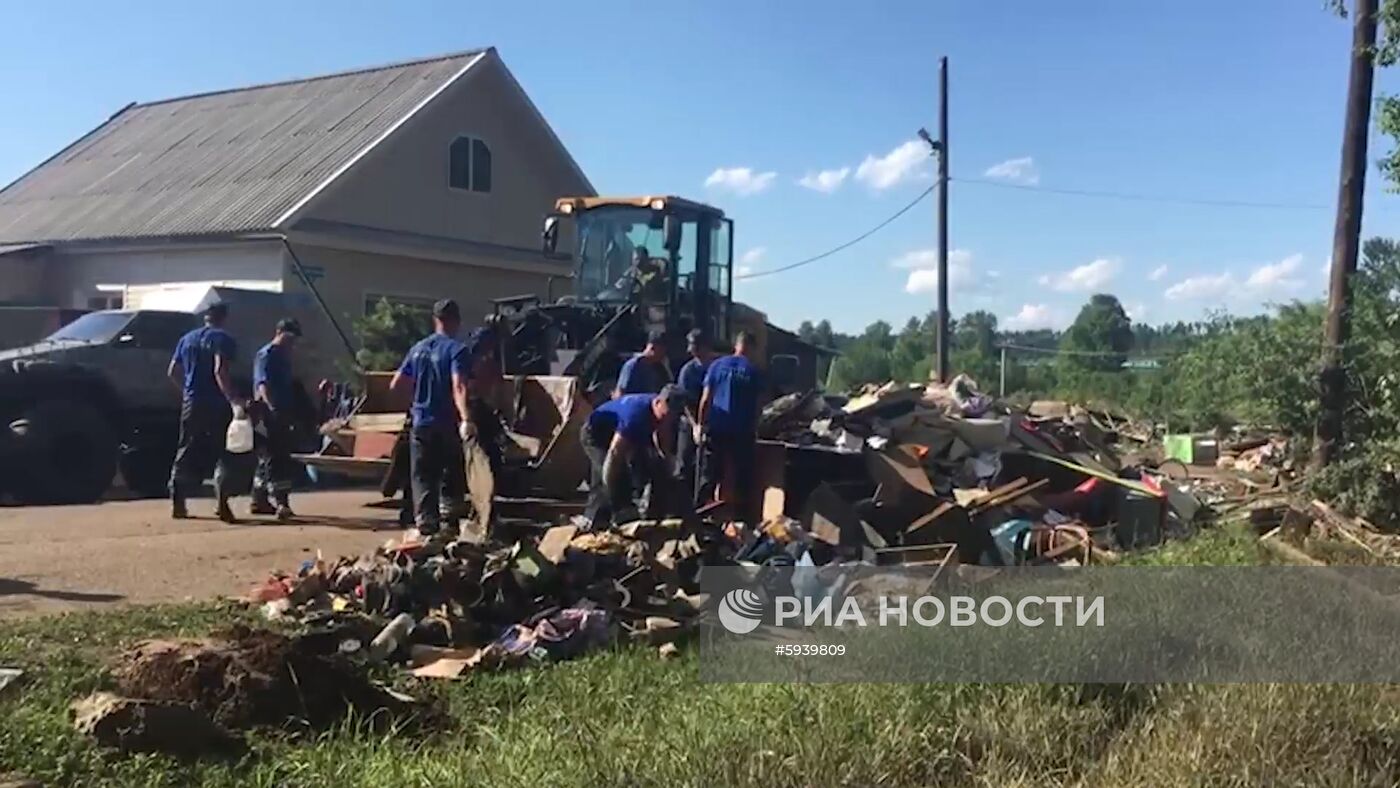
{"type": "Point", "coordinates": [230, 161]}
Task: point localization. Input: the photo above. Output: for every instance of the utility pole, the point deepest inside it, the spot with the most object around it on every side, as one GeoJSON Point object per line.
{"type": "Point", "coordinates": [1001, 390]}
{"type": "Point", "coordinates": [942, 366]}
{"type": "Point", "coordinates": [1346, 239]}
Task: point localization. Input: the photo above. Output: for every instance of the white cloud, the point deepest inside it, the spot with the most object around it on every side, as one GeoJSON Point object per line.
{"type": "Point", "coordinates": [826, 181]}
{"type": "Point", "coordinates": [742, 181]}
{"type": "Point", "coordinates": [753, 256]}
{"type": "Point", "coordinates": [1157, 274]}
{"type": "Point", "coordinates": [1020, 170]}
{"type": "Point", "coordinates": [1202, 287]}
{"type": "Point", "coordinates": [1263, 281]}
{"type": "Point", "coordinates": [1090, 276]}
{"type": "Point", "coordinates": [1276, 276]}
{"type": "Point", "coordinates": [923, 270]}
{"type": "Point", "coordinates": [1033, 316]}
{"type": "Point", "coordinates": [742, 271]}
{"type": "Point", "coordinates": [908, 161]}
{"type": "Point", "coordinates": [1137, 311]}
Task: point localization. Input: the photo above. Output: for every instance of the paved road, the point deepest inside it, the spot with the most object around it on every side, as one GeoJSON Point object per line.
{"type": "Point", "coordinates": [123, 552]}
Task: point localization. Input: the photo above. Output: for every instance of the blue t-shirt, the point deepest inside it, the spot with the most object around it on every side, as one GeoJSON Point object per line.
{"type": "Point", "coordinates": [430, 364]}
{"type": "Point", "coordinates": [195, 354]}
{"type": "Point", "coordinates": [629, 415]}
{"type": "Point", "coordinates": [691, 379]}
{"type": "Point", "coordinates": [640, 376]}
{"type": "Point", "coordinates": [272, 367]}
{"type": "Point", "coordinates": [734, 389]}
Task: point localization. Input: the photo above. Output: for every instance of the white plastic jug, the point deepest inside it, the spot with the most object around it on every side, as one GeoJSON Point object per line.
{"type": "Point", "coordinates": [239, 439]}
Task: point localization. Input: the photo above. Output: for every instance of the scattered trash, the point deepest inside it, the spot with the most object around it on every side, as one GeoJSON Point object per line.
{"type": "Point", "coordinates": [904, 475]}
{"type": "Point", "coordinates": [9, 676]}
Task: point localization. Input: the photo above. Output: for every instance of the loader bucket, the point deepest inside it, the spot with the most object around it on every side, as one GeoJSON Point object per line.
{"type": "Point", "coordinates": [544, 414]}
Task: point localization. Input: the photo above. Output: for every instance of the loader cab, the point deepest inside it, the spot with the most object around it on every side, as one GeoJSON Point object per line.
{"type": "Point", "coordinates": [670, 257]}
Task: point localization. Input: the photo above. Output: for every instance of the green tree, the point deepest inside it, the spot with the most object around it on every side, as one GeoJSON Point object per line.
{"type": "Point", "coordinates": [862, 362]}
{"type": "Point", "coordinates": [1102, 326]}
{"type": "Point", "coordinates": [977, 331]}
{"type": "Point", "coordinates": [387, 333]}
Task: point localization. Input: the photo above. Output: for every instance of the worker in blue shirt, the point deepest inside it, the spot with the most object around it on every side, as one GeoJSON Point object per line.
{"type": "Point", "coordinates": [274, 390]}
{"type": "Point", "coordinates": [691, 380]}
{"type": "Point", "coordinates": [200, 368]}
{"type": "Point", "coordinates": [727, 429]}
{"type": "Point", "coordinates": [621, 441]}
{"type": "Point", "coordinates": [482, 429]}
{"type": "Point", "coordinates": [436, 371]}
{"type": "Point", "coordinates": [646, 372]}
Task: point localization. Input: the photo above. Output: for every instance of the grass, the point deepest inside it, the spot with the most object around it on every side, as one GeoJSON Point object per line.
{"type": "Point", "coordinates": [626, 717]}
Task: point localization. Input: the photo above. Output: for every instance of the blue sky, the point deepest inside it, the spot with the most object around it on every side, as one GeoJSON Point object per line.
{"type": "Point", "coordinates": [738, 103]}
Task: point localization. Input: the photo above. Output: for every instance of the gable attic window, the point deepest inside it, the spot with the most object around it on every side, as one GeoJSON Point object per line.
{"type": "Point", "coordinates": [469, 165]}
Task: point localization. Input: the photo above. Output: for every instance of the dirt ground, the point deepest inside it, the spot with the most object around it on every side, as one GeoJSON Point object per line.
{"type": "Point", "coordinates": [129, 552]}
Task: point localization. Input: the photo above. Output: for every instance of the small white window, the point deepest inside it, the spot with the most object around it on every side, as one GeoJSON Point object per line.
{"type": "Point", "coordinates": [469, 165]}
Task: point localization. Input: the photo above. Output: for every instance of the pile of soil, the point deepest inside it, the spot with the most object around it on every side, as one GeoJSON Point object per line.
{"type": "Point", "coordinates": [244, 677]}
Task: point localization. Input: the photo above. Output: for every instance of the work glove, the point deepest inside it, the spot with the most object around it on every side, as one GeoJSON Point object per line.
{"type": "Point", "coordinates": [467, 431]}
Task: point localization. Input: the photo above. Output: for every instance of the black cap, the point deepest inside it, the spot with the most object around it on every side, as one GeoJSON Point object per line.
{"type": "Point", "coordinates": [655, 338]}
{"type": "Point", "coordinates": [696, 336]}
{"type": "Point", "coordinates": [446, 309]}
{"type": "Point", "coordinates": [217, 310]}
{"type": "Point", "coordinates": [289, 325]}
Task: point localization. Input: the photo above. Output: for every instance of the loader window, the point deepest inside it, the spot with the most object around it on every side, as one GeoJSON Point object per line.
{"type": "Point", "coordinates": [720, 257]}
{"type": "Point", "coordinates": [607, 239]}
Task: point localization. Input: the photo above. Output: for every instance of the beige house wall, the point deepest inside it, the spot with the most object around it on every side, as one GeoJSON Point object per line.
{"type": "Point", "coordinates": [76, 274]}
{"type": "Point", "coordinates": [403, 184]}
{"type": "Point", "coordinates": [347, 279]}
{"type": "Point", "coordinates": [22, 278]}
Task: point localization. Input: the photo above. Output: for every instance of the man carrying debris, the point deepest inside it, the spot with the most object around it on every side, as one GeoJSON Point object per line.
{"type": "Point", "coordinates": [199, 367]}
{"type": "Point", "coordinates": [481, 429]}
{"type": "Point", "coordinates": [646, 372]}
{"type": "Point", "coordinates": [273, 389]}
{"type": "Point", "coordinates": [621, 440]}
{"type": "Point", "coordinates": [726, 430]}
{"type": "Point", "coordinates": [437, 371]}
{"type": "Point", "coordinates": [691, 380]}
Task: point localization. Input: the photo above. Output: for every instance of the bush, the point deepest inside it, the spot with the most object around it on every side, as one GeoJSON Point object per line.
{"type": "Point", "coordinates": [386, 334]}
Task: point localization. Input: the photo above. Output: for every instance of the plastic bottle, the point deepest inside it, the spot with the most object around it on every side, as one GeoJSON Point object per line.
{"type": "Point", "coordinates": [390, 637]}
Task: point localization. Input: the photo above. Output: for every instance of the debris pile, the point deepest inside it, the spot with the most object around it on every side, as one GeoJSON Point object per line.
{"type": "Point", "coordinates": [897, 475]}
{"type": "Point", "coordinates": [950, 467]}
{"type": "Point", "coordinates": [446, 607]}
{"type": "Point", "coordinates": [1314, 533]}
{"type": "Point", "coordinates": [188, 697]}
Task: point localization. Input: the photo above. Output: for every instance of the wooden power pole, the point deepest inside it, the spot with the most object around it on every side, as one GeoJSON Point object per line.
{"type": "Point", "coordinates": [942, 366]}
{"type": "Point", "coordinates": [1346, 239]}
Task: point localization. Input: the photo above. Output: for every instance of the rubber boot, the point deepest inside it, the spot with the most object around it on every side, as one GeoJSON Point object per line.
{"type": "Point", "coordinates": [178, 509]}
{"type": "Point", "coordinates": [261, 505]}
{"type": "Point", "coordinates": [284, 508]}
{"type": "Point", "coordinates": [225, 513]}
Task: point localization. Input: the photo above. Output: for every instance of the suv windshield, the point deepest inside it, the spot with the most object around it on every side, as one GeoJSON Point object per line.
{"type": "Point", "coordinates": [93, 327]}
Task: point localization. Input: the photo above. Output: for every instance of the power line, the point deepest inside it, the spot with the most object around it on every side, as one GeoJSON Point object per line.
{"type": "Point", "coordinates": [1067, 352]}
{"type": "Point", "coordinates": [1138, 197]}
{"type": "Point", "coordinates": [877, 228]}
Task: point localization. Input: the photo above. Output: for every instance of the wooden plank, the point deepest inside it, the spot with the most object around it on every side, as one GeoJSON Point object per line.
{"type": "Point", "coordinates": [1010, 497]}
